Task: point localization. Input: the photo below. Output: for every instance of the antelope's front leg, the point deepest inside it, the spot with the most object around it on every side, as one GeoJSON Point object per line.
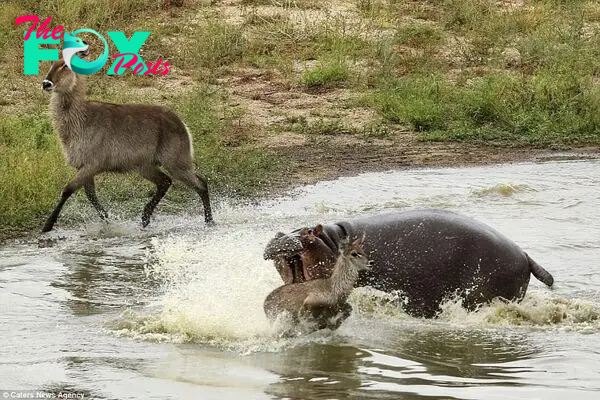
{"type": "Point", "coordinates": [83, 176]}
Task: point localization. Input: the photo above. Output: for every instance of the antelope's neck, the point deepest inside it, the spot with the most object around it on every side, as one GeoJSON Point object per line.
{"type": "Point", "coordinates": [68, 110]}
{"type": "Point", "coordinates": [343, 278]}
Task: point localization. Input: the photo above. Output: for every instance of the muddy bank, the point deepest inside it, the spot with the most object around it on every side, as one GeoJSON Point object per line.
{"type": "Point", "coordinates": [346, 156]}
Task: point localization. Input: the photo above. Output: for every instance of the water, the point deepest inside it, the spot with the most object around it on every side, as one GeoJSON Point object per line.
{"type": "Point", "coordinates": [175, 311]}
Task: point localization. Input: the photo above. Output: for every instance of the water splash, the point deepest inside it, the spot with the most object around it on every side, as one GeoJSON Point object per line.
{"type": "Point", "coordinates": [214, 297]}
{"type": "Point", "coordinates": [214, 282]}
{"type": "Point", "coordinates": [503, 189]}
{"type": "Point", "coordinates": [214, 285]}
{"type": "Point", "coordinates": [539, 310]}
{"type": "Point", "coordinates": [213, 288]}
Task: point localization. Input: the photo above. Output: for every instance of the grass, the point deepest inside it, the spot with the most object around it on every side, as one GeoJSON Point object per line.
{"type": "Point", "coordinates": [449, 70]}
{"type": "Point", "coordinates": [545, 94]}
{"type": "Point", "coordinates": [26, 144]}
{"type": "Point", "coordinates": [217, 44]}
{"type": "Point", "coordinates": [330, 73]}
{"type": "Point", "coordinates": [238, 170]}
{"type": "Point", "coordinates": [317, 127]}
{"type": "Point", "coordinates": [301, 4]}
{"type": "Point", "coordinates": [499, 109]}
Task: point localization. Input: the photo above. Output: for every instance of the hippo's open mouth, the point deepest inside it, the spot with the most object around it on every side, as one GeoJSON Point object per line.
{"type": "Point", "coordinates": [286, 250]}
{"type": "Point", "coordinates": [290, 268]}
{"type": "Point", "coordinates": [296, 266]}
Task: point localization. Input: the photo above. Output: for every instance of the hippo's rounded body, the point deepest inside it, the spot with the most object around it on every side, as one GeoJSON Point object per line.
{"type": "Point", "coordinates": [427, 255]}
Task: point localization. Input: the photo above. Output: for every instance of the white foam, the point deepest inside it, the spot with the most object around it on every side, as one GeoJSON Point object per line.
{"type": "Point", "coordinates": [214, 287]}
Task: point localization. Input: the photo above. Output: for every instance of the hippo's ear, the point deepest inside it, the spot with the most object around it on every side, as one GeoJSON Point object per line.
{"type": "Point", "coordinates": [318, 230]}
{"type": "Point", "coordinates": [304, 231]}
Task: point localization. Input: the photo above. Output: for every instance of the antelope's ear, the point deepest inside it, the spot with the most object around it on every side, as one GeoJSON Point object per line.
{"type": "Point", "coordinates": [318, 230]}
{"type": "Point", "coordinates": [358, 242]}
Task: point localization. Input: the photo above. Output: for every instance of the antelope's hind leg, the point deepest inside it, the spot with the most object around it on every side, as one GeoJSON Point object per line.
{"type": "Point", "coordinates": [199, 185]}
{"type": "Point", "coordinates": [162, 182]}
{"type": "Point", "coordinates": [324, 314]}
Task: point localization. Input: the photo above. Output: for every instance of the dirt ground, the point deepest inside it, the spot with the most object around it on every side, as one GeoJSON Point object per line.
{"type": "Point", "coordinates": [269, 102]}
{"type": "Point", "coordinates": [311, 163]}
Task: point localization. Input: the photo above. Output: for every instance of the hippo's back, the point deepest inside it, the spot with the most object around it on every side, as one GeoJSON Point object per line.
{"type": "Point", "coordinates": [431, 255]}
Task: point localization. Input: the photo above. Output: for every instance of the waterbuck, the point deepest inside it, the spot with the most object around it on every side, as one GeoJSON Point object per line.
{"type": "Point", "coordinates": [321, 303]}
{"type": "Point", "coordinates": [102, 137]}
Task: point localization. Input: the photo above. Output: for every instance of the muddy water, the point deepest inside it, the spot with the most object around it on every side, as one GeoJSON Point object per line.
{"type": "Point", "coordinates": [115, 312]}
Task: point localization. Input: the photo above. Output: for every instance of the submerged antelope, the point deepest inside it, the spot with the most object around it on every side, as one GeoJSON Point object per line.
{"type": "Point", "coordinates": [321, 303]}
{"type": "Point", "coordinates": [103, 137]}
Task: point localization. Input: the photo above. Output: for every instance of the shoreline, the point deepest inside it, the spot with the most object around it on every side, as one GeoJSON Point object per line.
{"type": "Point", "coordinates": [306, 164]}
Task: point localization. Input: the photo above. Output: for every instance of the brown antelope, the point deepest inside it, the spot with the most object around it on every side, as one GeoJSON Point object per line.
{"type": "Point", "coordinates": [103, 137]}
{"type": "Point", "coordinates": [321, 302]}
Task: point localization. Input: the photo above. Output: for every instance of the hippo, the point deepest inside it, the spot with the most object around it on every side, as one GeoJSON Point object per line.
{"type": "Point", "coordinates": [427, 255]}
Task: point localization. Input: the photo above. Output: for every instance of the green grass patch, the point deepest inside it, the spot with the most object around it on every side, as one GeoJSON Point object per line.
{"type": "Point", "coordinates": [545, 110]}
{"type": "Point", "coordinates": [316, 127]}
{"type": "Point", "coordinates": [508, 76]}
{"type": "Point", "coordinates": [237, 171]}
{"type": "Point", "coordinates": [32, 172]}
{"type": "Point", "coordinates": [214, 44]}
{"type": "Point", "coordinates": [418, 35]}
{"type": "Point", "coordinates": [300, 4]}
{"type": "Point", "coordinates": [281, 41]}
{"type": "Point", "coordinates": [327, 74]}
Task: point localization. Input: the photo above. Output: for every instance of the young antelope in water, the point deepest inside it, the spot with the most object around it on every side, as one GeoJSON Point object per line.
{"type": "Point", "coordinates": [321, 303]}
